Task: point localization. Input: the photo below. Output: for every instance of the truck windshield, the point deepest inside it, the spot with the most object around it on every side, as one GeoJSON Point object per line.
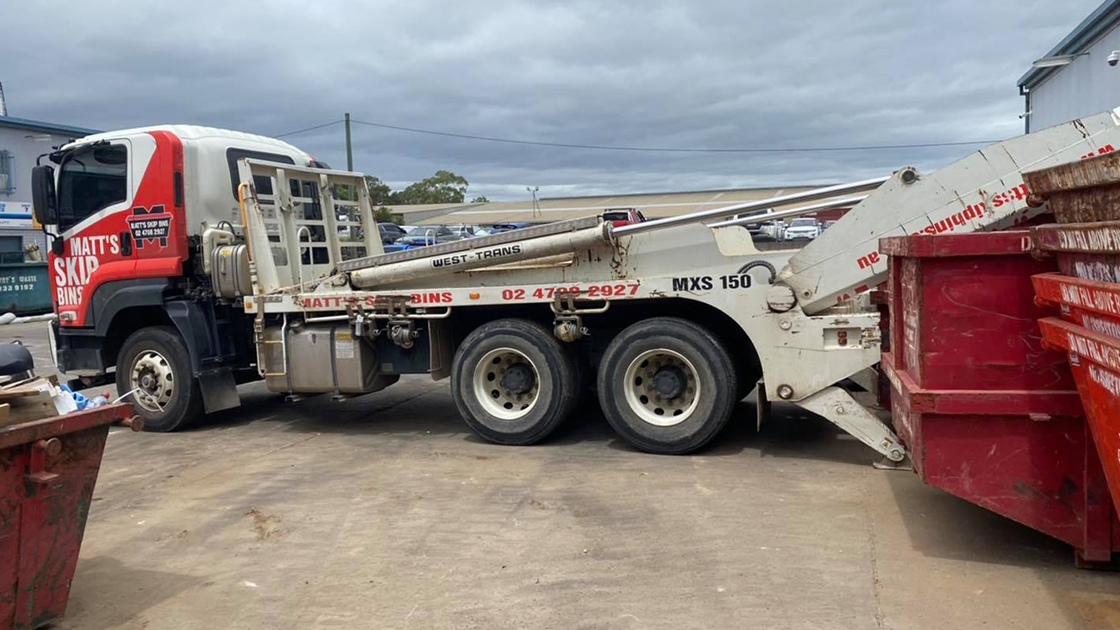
{"type": "Point", "coordinates": [90, 179]}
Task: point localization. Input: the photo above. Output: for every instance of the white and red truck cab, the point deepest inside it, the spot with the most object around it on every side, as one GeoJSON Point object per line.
{"type": "Point", "coordinates": [129, 208]}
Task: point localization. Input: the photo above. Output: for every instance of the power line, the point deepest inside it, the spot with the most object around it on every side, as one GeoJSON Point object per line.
{"type": "Point", "coordinates": [292, 133]}
{"type": "Point", "coordinates": [596, 147]}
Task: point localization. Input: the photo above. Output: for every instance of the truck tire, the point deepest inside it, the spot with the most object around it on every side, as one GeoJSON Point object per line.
{"type": "Point", "coordinates": [513, 382]}
{"type": "Point", "coordinates": [667, 385]}
{"type": "Point", "coordinates": [155, 361]}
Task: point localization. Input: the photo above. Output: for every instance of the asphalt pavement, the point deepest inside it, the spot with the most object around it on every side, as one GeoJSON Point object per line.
{"type": "Point", "coordinates": [385, 511]}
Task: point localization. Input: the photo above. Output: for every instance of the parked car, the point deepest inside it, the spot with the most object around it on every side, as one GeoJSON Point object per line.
{"type": "Point", "coordinates": [427, 235]}
{"type": "Point", "coordinates": [803, 228]}
{"type": "Point", "coordinates": [390, 232]}
{"type": "Point", "coordinates": [506, 227]}
{"type": "Point", "coordinates": [464, 231]}
{"type": "Point", "coordinates": [768, 231]}
{"type": "Point", "coordinates": [827, 224]}
{"type": "Point", "coordinates": [623, 216]}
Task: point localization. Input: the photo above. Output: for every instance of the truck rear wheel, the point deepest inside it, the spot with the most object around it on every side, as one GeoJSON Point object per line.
{"type": "Point", "coordinates": [155, 365]}
{"type": "Point", "coordinates": [667, 385]}
{"type": "Point", "coordinates": [513, 382]}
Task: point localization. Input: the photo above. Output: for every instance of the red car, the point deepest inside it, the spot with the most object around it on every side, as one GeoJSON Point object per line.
{"type": "Point", "coordinates": [623, 216]}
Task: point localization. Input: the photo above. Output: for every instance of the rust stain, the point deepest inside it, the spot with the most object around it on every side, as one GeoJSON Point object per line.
{"type": "Point", "coordinates": [619, 254]}
{"type": "Point", "coordinates": [265, 525]}
{"type": "Point", "coordinates": [183, 535]}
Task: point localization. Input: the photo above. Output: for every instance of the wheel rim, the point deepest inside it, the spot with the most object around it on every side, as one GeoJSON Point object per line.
{"type": "Point", "coordinates": [662, 387]}
{"type": "Point", "coordinates": [506, 384]}
{"type": "Point", "coordinates": [152, 380]}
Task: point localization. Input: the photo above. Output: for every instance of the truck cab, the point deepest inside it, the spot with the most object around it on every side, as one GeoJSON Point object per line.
{"type": "Point", "coordinates": [125, 212]}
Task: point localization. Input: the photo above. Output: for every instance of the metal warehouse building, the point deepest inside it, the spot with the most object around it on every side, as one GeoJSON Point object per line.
{"type": "Point", "coordinates": [22, 141]}
{"type": "Point", "coordinates": [1076, 78]}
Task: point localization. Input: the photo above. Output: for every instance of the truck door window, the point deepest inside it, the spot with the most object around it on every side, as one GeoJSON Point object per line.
{"type": "Point", "coordinates": [90, 179]}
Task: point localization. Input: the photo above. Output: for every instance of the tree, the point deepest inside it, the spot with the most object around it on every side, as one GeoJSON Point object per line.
{"type": "Point", "coordinates": [480, 199]}
{"type": "Point", "coordinates": [443, 187]}
{"type": "Point", "coordinates": [383, 215]}
{"type": "Point", "coordinates": [379, 192]}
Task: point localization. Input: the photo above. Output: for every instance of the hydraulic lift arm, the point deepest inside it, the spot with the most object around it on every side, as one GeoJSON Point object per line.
{"type": "Point", "coordinates": [984, 191]}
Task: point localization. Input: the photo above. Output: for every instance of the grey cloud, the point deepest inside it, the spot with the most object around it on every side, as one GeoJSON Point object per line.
{"type": "Point", "coordinates": [681, 74]}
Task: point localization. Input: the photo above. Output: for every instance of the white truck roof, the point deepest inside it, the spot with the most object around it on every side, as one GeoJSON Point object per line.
{"type": "Point", "coordinates": [200, 134]}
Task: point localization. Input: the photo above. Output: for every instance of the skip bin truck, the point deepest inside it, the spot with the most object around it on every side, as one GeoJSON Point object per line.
{"type": "Point", "coordinates": [187, 260]}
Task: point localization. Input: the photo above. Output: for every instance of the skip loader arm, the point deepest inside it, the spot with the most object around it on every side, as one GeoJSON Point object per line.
{"type": "Point", "coordinates": [982, 192]}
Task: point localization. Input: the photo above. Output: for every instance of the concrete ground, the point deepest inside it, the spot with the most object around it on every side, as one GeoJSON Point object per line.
{"type": "Point", "coordinates": [386, 512]}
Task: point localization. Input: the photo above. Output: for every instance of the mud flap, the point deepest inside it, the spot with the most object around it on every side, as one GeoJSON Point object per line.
{"type": "Point", "coordinates": [219, 390]}
{"type": "Point", "coordinates": [762, 406]}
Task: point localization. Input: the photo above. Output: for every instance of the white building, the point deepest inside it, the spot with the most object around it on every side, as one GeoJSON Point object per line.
{"type": "Point", "coordinates": [22, 141]}
{"type": "Point", "coordinates": [1076, 78]}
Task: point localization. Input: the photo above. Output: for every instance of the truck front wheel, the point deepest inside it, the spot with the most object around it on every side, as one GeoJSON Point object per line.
{"type": "Point", "coordinates": [155, 366]}
{"type": "Point", "coordinates": [513, 382]}
{"type": "Point", "coordinates": [667, 385]}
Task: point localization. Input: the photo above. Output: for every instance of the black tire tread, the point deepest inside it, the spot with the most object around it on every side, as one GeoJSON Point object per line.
{"type": "Point", "coordinates": [166, 339]}
{"type": "Point", "coordinates": [726, 385]}
{"type": "Point", "coordinates": [565, 378]}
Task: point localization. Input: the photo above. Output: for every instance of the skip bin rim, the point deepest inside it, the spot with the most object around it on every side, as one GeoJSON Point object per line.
{"type": "Point", "coordinates": [953, 245]}
{"type": "Point", "coordinates": [55, 426]}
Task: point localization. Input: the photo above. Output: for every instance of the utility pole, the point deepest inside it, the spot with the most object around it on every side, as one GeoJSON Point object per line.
{"type": "Point", "coordinates": [536, 204]}
{"type": "Point", "coordinates": [349, 148]}
{"type": "Point", "coordinates": [3, 105]}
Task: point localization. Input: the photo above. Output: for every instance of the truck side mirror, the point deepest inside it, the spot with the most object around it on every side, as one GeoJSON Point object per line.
{"type": "Point", "coordinates": [43, 200]}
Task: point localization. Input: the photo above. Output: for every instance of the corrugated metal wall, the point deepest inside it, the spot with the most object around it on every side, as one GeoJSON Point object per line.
{"type": "Point", "coordinates": [1085, 87]}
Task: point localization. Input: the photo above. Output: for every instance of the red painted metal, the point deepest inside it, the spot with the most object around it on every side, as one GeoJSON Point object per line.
{"type": "Point", "coordinates": [1094, 305]}
{"type": "Point", "coordinates": [963, 313]}
{"type": "Point", "coordinates": [1095, 361]}
{"type": "Point", "coordinates": [956, 245]}
{"type": "Point", "coordinates": [47, 473]}
{"type": "Point", "coordinates": [988, 414]}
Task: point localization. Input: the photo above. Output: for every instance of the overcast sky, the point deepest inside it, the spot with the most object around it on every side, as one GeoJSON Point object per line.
{"type": "Point", "coordinates": [691, 74]}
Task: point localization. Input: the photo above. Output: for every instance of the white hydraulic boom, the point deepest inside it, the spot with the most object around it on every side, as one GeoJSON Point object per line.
{"type": "Point", "coordinates": [984, 191]}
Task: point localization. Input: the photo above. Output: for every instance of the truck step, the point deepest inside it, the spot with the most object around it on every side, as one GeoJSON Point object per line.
{"type": "Point", "coordinates": [468, 244]}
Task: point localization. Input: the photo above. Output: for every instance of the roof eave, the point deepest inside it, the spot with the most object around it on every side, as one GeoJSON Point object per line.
{"type": "Point", "coordinates": [1100, 21]}
{"type": "Point", "coordinates": [38, 125]}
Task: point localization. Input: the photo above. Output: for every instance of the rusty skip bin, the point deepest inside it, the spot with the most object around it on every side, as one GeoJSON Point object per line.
{"type": "Point", "coordinates": [48, 469]}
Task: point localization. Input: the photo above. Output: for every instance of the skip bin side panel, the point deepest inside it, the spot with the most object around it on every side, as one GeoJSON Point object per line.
{"type": "Point", "coordinates": [1030, 472]}
{"type": "Point", "coordinates": [980, 330]}
{"type": "Point", "coordinates": [24, 288]}
{"type": "Point", "coordinates": [1095, 361]}
{"type": "Point", "coordinates": [11, 492]}
{"type": "Point", "coordinates": [53, 521]}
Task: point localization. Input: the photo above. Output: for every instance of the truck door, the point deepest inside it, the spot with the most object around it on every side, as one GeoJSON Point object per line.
{"type": "Point", "coordinates": [156, 222]}
{"type": "Point", "coordinates": [94, 195]}
{"type": "Point", "coordinates": [121, 218]}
